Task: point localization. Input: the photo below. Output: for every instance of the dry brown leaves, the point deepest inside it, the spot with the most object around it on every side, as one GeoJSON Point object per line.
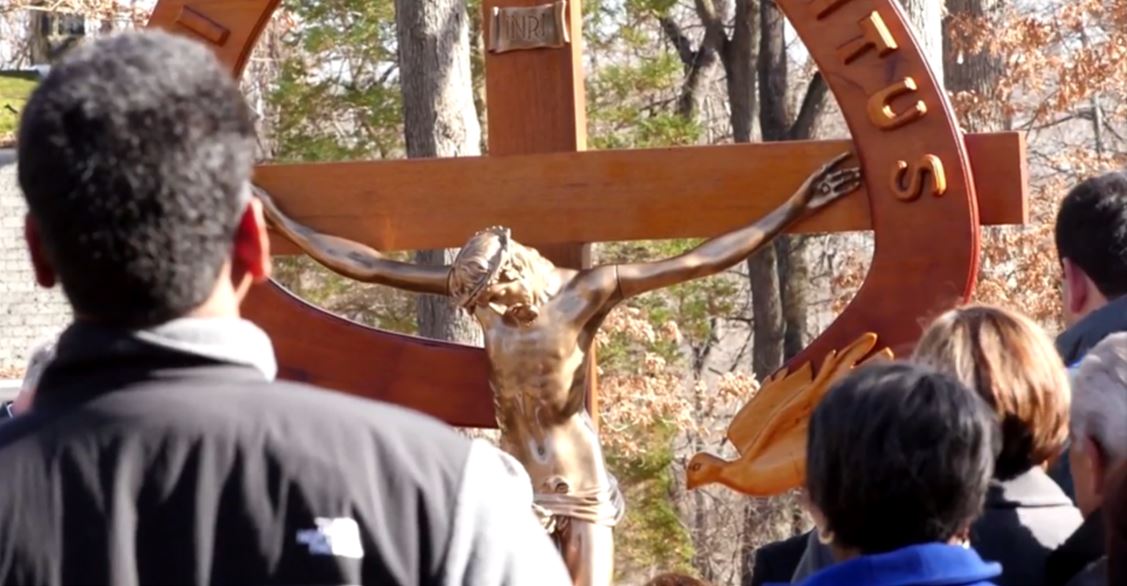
{"type": "Point", "coordinates": [657, 392]}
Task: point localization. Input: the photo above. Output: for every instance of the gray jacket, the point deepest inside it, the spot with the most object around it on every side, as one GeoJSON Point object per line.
{"type": "Point", "coordinates": [1024, 519]}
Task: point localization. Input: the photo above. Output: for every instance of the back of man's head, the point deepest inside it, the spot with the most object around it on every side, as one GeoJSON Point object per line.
{"type": "Point", "coordinates": [135, 155]}
{"type": "Point", "coordinates": [1091, 231]}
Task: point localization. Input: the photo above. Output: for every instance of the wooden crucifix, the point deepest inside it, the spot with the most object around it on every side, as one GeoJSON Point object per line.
{"type": "Point", "coordinates": [921, 198]}
{"type": "Point", "coordinates": [538, 180]}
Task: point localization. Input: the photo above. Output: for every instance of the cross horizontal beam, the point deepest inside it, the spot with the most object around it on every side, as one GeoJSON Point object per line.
{"type": "Point", "coordinates": [599, 196]}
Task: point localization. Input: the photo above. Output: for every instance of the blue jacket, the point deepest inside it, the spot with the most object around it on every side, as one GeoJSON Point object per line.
{"type": "Point", "coordinates": [930, 564]}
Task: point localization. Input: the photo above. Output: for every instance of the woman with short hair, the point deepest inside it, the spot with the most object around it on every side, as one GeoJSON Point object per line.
{"type": "Point", "coordinates": [899, 458]}
{"type": "Point", "coordinates": [1011, 363]}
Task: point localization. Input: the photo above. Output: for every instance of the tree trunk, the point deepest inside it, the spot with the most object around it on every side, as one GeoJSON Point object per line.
{"type": "Point", "coordinates": [739, 66]}
{"type": "Point", "coordinates": [477, 68]}
{"type": "Point", "coordinates": [774, 119]}
{"type": "Point", "coordinates": [50, 34]}
{"type": "Point", "coordinates": [970, 71]}
{"type": "Point", "coordinates": [926, 17]}
{"type": "Point", "coordinates": [763, 267]}
{"type": "Point", "coordinates": [440, 120]}
{"type": "Point", "coordinates": [774, 123]}
{"type": "Point", "coordinates": [693, 92]}
{"type": "Point", "coordinates": [767, 312]}
{"type": "Point", "coordinates": [700, 64]}
{"type": "Point", "coordinates": [794, 285]}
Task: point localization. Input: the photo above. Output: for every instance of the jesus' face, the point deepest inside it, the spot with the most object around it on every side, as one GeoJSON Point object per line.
{"type": "Point", "coordinates": [511, 297]}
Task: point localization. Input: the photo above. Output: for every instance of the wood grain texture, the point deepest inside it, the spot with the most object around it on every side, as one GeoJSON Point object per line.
{"type": "Point", "coordinates": [538, 104]}
{"type": "Point", "coordinates": [927, 250]}
{"type": "Point", "coordinates": [537, 101]}
{"type": "Point", "coordinates": [242, 19]}
{"type": "Point", "coordinates": [598, 196]}
{"type": "Point", "coordinates": [448, 381]}
{"type": "Point", "coordinates": [203, 26]}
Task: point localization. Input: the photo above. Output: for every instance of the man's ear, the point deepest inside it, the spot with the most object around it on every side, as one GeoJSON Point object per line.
{"type": "Point", "coordinates": [1076, 287]}
{"type": "Point", "coordinates": [252, 244]}
{"type": "Point", "coordinates": [44, 270]}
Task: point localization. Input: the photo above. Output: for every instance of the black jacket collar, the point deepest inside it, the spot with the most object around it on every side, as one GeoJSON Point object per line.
{"type": "Point", "coordinates": [91, 359]}
{"type": "Point", "coordinates": [1076, 341]}
{"type": "Point", "coordinates": [1082, 548]}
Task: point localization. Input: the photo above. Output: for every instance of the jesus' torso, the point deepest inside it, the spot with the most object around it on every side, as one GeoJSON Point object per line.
{"type": "Point", "coordinates": [538, 373]}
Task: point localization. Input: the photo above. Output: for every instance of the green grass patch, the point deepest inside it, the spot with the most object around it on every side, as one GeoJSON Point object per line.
{"type": "Point", "coordinates": [15, 87]}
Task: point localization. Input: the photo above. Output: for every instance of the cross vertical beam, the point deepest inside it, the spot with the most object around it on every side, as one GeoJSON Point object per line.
{"type": "Point", "coordinates": [537, 104]}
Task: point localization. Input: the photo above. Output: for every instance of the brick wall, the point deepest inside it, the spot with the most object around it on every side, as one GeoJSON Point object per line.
{"type": "Point", "coordinates": [28, 313]}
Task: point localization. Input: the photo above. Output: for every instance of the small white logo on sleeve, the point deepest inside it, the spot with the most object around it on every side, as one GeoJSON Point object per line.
{"type": "Point", "coordinates": [337, 537]}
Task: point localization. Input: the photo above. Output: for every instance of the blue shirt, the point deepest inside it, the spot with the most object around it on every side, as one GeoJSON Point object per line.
{"type": "Point", "coordinates": [930, 564]}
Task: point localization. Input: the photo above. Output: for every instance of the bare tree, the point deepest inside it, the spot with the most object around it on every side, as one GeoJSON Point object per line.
{"type": "Point", "coordinates": [778, 284]}
{"type": "Point", "coordinates": [440, 120]}
{"type": "Point", "coordinates": [970, 68]}
{"type": "Point", "coordinates": [926, 17]}
{"type": "Point", "coordinates": [51, 33]}
{"type": "Point", "coordinates": [779, 273]}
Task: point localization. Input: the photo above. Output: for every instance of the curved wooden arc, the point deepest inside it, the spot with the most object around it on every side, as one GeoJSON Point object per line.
{"type": "Point", "coordinates": [448, 381]}
{"type": "Point", "coordinates": [902, 125]}
{"type": "Point", "coordinates": [899, 120]}
{"type": "Point", "coordinates": [231, 27]}
{"type": "Point", "coordinates": [865, 49]}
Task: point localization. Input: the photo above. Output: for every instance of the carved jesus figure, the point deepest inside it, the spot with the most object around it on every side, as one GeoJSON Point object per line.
{"type": "Point", "coordinates": [539, 324]}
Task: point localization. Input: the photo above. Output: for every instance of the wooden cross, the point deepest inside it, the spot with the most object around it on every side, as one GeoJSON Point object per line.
{"type": "Point", "coordinates": [919, 168]}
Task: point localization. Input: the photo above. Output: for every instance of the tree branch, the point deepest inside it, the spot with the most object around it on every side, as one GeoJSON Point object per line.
{"type": "Point", "coordinates": [714, 35]}
{"type": "Point", "coordinates": [699, 68]}
{"type": "Point", "coordinates": [813, 104]}
{"type": "Point", "coordinates": [678, 39]}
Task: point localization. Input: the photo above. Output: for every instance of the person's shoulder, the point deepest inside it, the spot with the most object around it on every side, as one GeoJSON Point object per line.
{"type": "Point", "coordinates": [1094, 574]}
{"type": "Point", "coordinates": [325, 400]}
{"type": "Point", "coordinates": [319, 406]}
{"type": "Point", "coordinates": [789, 547]}
{"type": "Point", "coordinates": [304, 427]}
{"type": "Point", "coordinates": [777, 561]}
{"type": "Point", "coordinates": [495, 529]}
{"type": "Point", "coordinates": [292, 418]}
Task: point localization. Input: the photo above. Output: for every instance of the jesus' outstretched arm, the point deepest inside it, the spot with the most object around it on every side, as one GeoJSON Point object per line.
{"type": "Point", "coordinates": [722, 252]}
{"type": "Point", "coordinates": [354, 260]}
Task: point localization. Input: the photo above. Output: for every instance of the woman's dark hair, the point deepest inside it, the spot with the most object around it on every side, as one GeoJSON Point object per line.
{"type": "Point", "coordinates": [899, 455]}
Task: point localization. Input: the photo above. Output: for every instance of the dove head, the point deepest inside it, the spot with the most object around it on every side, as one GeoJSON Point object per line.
{"type": "Point", "coordinates": [704, 469]}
